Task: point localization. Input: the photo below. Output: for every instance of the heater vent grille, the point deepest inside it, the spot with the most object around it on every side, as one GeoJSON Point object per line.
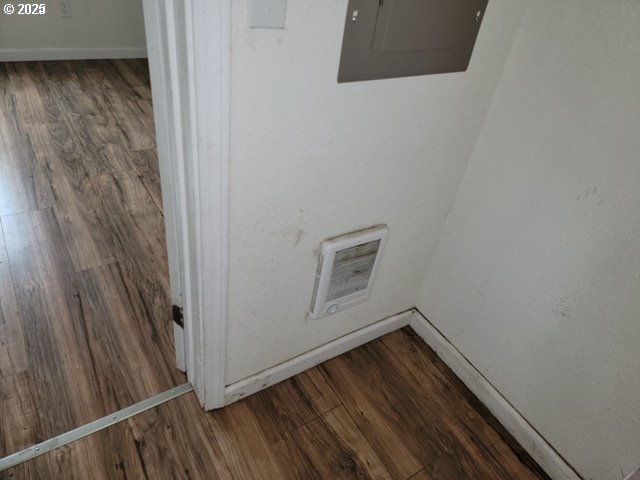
{"type": "Point", "coordinates": [351, 269]}
{"type": "Point", "coordinates": [346, 269]}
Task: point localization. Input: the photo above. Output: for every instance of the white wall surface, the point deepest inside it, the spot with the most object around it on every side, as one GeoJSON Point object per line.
{"type": "Point", "coordinates": [95, 24]}
{"type": "Point", "coordinates": [536, 278]}
{"type": "Point", "coordinates": [311, 159]}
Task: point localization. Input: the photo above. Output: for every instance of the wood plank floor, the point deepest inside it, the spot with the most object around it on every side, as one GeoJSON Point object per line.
{"type": "Point", "coordinates": [85, 320]}
{"type": "Point", "coordinates": [388, 410]}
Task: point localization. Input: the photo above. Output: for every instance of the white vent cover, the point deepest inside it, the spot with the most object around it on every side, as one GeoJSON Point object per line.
{"type": "Point", "coordinates": [346, 268]}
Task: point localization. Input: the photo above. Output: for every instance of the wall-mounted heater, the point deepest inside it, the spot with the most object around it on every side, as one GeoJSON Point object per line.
{"type": "Point", "coordinates": [346, 269]}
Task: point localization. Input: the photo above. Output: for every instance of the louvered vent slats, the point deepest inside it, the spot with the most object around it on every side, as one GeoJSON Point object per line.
{"type": "Point", "coordinates": [352, 269]}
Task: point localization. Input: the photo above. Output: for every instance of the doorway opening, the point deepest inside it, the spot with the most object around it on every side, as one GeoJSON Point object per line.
{"type": "Point", "coordinates": [86, 319]}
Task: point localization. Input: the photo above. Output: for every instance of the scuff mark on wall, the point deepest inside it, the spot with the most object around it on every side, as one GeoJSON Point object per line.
{"type": "Point", "coordinates": [563, 308]}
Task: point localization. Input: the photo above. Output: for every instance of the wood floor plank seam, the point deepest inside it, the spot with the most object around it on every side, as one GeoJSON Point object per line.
{"type": "Point", "coordinates": [373, 447]}
{"type": "Point", "coordinates": [382, 461]}
{"type": "Point", "coordinates": [315, 418]}
{"type": "Point", "coordinates": [12, 214]}
{"type": "Point", "coordinates": [63, 439]}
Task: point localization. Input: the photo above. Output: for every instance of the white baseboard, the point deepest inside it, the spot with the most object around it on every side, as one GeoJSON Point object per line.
{"type": "Point", "coordinates": [635, 475]}
{"type": "Point", "coordinates": [33, 54]}
{"type": "Point", "coordinates": [539, 449]}
{"type": "Point", "coordinates": [303, 362]}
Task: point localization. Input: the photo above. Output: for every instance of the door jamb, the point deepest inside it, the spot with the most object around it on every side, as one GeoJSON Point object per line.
{"type": "Point", "coordinates": [159, 52]}
{"type": "Point", "coordinates": [195, 140]}
{"type": "Point", "coordinates": [210, 25]}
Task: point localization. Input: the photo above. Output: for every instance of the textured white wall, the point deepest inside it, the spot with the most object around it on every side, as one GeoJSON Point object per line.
{"type": "Point", "coordinates": [311, 159]}
{"type": "Point", "coordinates": [94, 24]}
{"type": "Point", "coordinates": [536, 278]}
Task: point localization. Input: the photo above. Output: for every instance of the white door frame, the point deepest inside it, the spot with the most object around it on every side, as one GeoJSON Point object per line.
{"type": "Point", "coordinates": [189, 59]}
{"type": "Point", "coordinates": [169, 147]}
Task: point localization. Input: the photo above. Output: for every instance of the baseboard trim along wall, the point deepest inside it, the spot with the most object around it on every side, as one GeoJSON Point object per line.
{"type": "Point", "coordinates": [535, 445]}
{"type": "Point", "coordinates": [34, 54]}
{"type": "Point", "coordinates": [634, 475]}
{"type": "Point", "coordinates": [310, 359]}
{"type": "Point", "coordinates": [539, 449]}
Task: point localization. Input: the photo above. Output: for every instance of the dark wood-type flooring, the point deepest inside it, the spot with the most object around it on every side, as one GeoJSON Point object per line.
{"type": "Point", "coordinates": [388, 410]}
{"type": "Point", "coordinates": [85, 323]}
{"type": "Point", "coordinates": [85, 326]}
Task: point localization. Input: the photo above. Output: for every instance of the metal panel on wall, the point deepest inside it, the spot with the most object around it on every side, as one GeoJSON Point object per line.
{"type": "Point", "coordinates": [398, 38]}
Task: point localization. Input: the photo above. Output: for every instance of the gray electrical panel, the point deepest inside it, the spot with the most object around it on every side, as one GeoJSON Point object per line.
{"type": "Point", "coordinates": [400, 38]}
